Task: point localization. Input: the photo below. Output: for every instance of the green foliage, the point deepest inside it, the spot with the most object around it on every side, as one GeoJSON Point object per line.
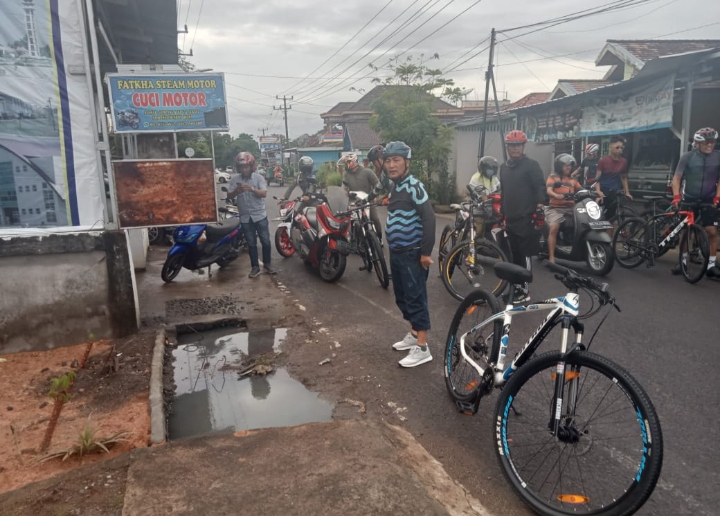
{"type": "Point", "coordinates": [227, 147]}
{"type": "Point", "coordinates": [60, 387]}
{"type": "Point", "coordinates": [328, 175]}
{"type": "Point", "coordinates": [87, 443]}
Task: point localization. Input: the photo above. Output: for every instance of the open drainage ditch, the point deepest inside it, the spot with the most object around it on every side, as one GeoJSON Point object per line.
{"type": "Point", "coordinates": [225, 380]}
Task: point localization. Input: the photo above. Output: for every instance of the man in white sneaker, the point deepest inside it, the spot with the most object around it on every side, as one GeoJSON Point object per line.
{"type": "Point", "coordinates": [410, 235]}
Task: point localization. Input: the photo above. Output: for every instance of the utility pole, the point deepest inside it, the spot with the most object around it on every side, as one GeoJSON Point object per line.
{"type": "Point", "coordinates": [284, 108]}
{"type": "Point", "coordinates": [488, 78]}
{"type": "Point", "coordinates": [263, 129]}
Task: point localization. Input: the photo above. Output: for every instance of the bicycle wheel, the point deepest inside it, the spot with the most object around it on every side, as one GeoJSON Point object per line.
{"type": "Point", "coordinates": [377, 259]}
{"type": "Point", "coordinates": [630, 243]}
{"type": "Point", "coordinates": [626, 213]}
{"type": "Point", "coordinates": [447, 242]}
{"type": "Point", "coordinates": [461, 379]}
{"type": "Point", "coordinates": [609, 450]}
{"type": "Point", "coordinates": [462, 273]}
{"type": "Point", "coordinates": [695, 243]}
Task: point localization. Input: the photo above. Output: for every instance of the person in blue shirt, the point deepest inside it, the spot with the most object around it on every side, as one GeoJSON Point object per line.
{"type": "Point", "coordinates": [410, 235]}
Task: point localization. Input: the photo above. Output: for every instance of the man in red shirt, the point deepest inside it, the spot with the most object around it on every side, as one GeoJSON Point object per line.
{"type": "Point", "coordinates": [611, 175]}
{"type": "Point", "coordinates": [559, 207]}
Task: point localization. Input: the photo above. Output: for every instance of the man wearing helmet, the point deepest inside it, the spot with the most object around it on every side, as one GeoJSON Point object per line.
{"type": "Point", "coordinates": [588, 167]}
{"type": "Point", "coordinates": [361, 179]}
{"type": "Point", "coordinates": [700, 169]}
{"type": "Point", "coordinates": [410, 237]}
{"type": "Point", "coordinates": [523, 195]}
{"type": "Point", "coordinates": [305, 171]}
{"type": "Point", "coordinates": [251, 190]}
{"type": "Point", "coordinates": [485, 181]}
{"type": "Point", "coordinates": [559, 207]}
{"type": "Point", "coordinates": [385, 184]}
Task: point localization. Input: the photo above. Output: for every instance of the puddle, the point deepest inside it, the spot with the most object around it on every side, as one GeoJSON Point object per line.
{"type": "Point", "coordinates": [210, 399]}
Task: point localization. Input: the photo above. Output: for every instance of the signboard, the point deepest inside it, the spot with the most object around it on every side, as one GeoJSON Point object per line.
{"type": "Point", "coordinates": [165, 103]}
{"type": "Point", "coordinates": [643, 108]}
{"type": "Point", "coordinates": [268, 143]}
{"type": "Point", "coordinates": [48, 168]}
{"type": "Point", "coordinates": [559, 123]}
{"type": "Point", "coordinates": [165, 192]}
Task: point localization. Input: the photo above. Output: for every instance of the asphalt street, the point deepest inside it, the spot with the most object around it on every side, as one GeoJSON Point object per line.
{"type": "Point", "coordinates": [665, 336]}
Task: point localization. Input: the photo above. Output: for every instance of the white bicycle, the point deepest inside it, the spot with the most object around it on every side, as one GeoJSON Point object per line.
{"type": "Point", "coordinates": [575, 433]}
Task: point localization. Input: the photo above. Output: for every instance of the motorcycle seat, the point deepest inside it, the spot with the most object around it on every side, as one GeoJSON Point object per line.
{"type": "Point", "coordinates": [311, 216]}
{"type": "Point", "coordinates": [513, 274]}
{"type": "Point", "coordinates": [215, 233]}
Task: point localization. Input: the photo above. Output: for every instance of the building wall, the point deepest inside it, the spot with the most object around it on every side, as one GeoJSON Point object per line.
{"type": "Point", "coordinates": [465, 150]}
{"type": "Point", "coordinates": [65, 288]}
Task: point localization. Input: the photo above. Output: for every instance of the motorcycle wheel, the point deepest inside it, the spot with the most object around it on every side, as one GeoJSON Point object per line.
{"type": "Point", "coordinates": [156, 235]}
{"type": "Point", "coordinates": [134, 125]}
{"type": "Point", "coordinates": [172, 267]}
{"type": "Point", "coordinates": [332, 266]}
{"type": "Point", "coordinates": [604, 258]}
{"type": "Point", "coordinates": [283, 244]}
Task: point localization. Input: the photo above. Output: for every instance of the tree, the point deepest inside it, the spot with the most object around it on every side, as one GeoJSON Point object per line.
{"type": "Point", "coordinates": [60, 393]}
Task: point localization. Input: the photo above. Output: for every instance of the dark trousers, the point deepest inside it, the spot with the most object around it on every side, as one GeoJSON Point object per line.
{"type": "Point", "coordinates": [524, 241]}
{"type": "Point", "coordinates": [409, 279]}
{"type": "Point", "coordinates": [253, 230]}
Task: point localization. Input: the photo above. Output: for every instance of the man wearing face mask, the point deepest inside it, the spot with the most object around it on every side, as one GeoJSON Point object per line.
{"type": "Point", "coordinates": [485, 181]}
{"type": "Point", "coordinates": [522, 199]}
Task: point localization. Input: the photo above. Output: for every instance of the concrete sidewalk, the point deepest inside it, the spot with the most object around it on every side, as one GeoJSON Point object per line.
{"type": "Point", "coordinates": [336, 468]}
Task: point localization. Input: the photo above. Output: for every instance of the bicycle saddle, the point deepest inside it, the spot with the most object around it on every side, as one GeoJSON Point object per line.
{"type": "Point", "coordinates": [512, 273]}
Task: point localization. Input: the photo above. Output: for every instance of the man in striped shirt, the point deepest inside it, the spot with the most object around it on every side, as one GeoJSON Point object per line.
{"type": "Point", "coordinates": [410, 236]}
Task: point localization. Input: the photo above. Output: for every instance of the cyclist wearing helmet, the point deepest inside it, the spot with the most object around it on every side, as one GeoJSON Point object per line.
{"type": "Point", "coordinates": [611, 175]}
{"type": "Point", "coordinates": [700, 169]}
{"type": "Point", "coordinates": [485, 181]}
{"type": "Point", "coordinates": [305, 171]}
{"type": "Point", "coordinates": [411, 237]}
{"type": "Point", "coordinates": [559, 207]}
{"type": "Point", "coordinates": [251, 190]}
{"type": "Point", "coordinates": [361, 179]}
{"type": "Point", "coordinates": [523, 194]}
{"type": "Point", "coordinates": [588, 167]}
{"type": "Point", "coordinates": [375, 157]}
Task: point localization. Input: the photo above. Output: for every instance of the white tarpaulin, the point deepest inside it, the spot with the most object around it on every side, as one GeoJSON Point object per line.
{"type": "Point", "coordinates": [48, 168]}
{"type": "Point", "coordinates": [646, 107]}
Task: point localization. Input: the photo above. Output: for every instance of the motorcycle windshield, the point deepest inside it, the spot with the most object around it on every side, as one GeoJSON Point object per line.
{"type": "Point", "coordinates": [337, 199]}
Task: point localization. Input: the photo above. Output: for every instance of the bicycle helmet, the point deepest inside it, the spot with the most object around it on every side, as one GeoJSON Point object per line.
{"type": "Point", "coordinates": [705, 134]}
{"type": "Point", "coordinates": [245, 158]}
{"type": "Point", "coordinates": [375, 153]}
{"type": "Point", "coordinates": [561, 160]}
{"type": "Point", "coordinates": [397, 149]}
{"type": "Point", "coordinates": [350, 157]}
{"type": "Point", "coordinates": [592, 148]}
{"type": "Point", "coordinates": [488, 166]}
{"type": "Point", "coordinates": [305, 165]}
{"type": "Point", "coordinates": [515, 137]}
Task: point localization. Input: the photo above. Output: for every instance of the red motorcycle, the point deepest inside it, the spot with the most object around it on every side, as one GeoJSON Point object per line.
{"type": "Point", "coordinates": [318, 234]}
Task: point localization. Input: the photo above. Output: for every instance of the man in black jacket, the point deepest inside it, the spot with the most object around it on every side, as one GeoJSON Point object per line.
{"type": "Point", "coordinates": [523, 193]}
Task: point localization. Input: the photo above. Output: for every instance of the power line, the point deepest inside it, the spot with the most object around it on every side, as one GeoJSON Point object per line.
{"type": "Point", "coordinates": [187, 17]}
{"type": "Point", "coordinates": [526, 67]}
{"type": "Point", "coordinates": [197, 24]}
{"type": "Point", "coordinates": [466, 53]}
{"type": "Point", "coordinates": [344, 45]}
{"type": "Point", "coordinates": [614, 24]}
{"type": "Point", "coordinates": [550, 57]}
{"type": "Point", "coordinates": [686, 30]}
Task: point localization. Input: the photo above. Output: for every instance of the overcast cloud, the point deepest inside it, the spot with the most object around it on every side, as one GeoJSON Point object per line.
{"type": "Point", "coordinates": [246, 38]}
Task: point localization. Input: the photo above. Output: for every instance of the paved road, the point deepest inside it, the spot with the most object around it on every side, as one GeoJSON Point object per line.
{"type": "Point", "coordinates": [666, 336]}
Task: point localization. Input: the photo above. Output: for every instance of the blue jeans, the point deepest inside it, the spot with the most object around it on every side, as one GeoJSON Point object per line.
{"type": "Point", "coordinates": [260, 229]}
{"type": "Point", "coordinates": [409, 279]}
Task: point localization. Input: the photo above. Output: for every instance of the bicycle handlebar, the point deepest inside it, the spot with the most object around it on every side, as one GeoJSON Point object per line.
{"type": "Point", "coordinates": [573, 281]}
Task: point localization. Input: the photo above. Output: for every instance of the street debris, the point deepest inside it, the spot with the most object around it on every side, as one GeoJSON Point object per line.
{"type": "Point", "coordinates": [355, 403]}
{"type": "Point", "coordinates": [324, 361]}
{"type": "Point", "coordinates": [337, 344]}
{"type": "Point", "coordinates": [397, 410]}
{"type": "Point", "coordinates": [302, 308]}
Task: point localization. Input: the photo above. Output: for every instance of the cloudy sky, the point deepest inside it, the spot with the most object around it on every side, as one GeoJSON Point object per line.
{"type": "Point", "coordinates": [268, 48]}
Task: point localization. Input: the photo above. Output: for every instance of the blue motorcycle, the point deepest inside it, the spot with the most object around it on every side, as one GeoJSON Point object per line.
{"type": "Point", "coordinates": [201, 245]}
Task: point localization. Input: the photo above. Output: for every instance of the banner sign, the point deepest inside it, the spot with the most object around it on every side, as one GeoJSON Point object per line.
{"type": "Point", "coordinates": [168, 103]}
{"type": "Point", "coordinates": [268, 143]}
{"type": "Point", "coordinates": [643, 108]}
{"type": "Point", "coordinates": [48, 168]}
{"type": "Point", "coordinates": [165, 192]}
{"type": "Point", "coordinates": [558, 123]}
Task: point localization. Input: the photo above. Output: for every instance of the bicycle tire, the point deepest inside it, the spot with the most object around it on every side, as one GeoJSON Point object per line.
{"type": "Point", "coordinates": [477, 307]}
{"type": "Point", "coordinates": [625, 467]}
{"type": "Point", "coordinates": [626, 213]}
{"type": "Point", "coordinates": [458, 264]}
{"type": "Point", "coordinates": [696, 242]}
{"type": "Point", "coordinates": [630, 242]}
{"type": "Point", "coordinates": [448, 236]}
{"type": "Point", "coordinates": [377, 258]}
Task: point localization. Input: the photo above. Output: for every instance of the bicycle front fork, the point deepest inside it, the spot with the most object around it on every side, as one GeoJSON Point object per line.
{"type": "Point", "coordinates": [562, 417]}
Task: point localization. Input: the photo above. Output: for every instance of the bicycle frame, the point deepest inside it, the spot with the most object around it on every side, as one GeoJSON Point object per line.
{"type": "Point", "coordinates": [562, 309]}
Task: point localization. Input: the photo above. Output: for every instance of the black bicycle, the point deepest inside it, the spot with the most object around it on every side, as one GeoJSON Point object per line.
{"type": "Point", "coordinates": [364, 239]}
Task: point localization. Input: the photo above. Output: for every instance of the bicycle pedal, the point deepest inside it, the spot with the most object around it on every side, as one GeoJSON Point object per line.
{"type": "Point", "coordinates": [468, 408]}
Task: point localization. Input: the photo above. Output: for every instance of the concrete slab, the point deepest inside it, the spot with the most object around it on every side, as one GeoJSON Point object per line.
{"type": "Point", "coordinates": [335, 468]}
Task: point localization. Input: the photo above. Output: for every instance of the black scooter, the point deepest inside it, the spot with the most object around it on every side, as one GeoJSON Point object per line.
{"type": "Point", "coordinates": [584, 237]}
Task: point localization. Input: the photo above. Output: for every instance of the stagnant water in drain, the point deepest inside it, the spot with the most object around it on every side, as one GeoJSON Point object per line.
{"type": "Point", "coordinates": [209, 399]}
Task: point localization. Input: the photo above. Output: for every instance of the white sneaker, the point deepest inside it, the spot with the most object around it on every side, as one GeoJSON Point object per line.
{"type": "Point", "coordinates": [408, 342]}
{"type": "Point", "coordinates": [416, 357]}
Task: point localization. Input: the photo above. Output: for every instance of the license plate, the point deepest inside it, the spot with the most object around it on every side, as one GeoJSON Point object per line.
{"type": "Point", "coordinates": [600, 224]}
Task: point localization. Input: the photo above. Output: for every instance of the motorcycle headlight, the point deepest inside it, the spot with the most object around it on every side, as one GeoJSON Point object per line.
{"type": "Point", "coordinates": [333, 224]}
{"type": "Point", "coordinates": [283, 212]}
{"type": "Point", "coordinates": [593, 210]}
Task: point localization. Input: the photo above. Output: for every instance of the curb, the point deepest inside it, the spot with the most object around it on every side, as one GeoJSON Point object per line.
{"type": "Point", "coordinates": [156, 400]}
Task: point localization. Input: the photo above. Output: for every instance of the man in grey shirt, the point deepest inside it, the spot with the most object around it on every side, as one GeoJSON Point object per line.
{"type": "Point", "coordinates": [251, 190]}
{"type": "Point", "coordinates": [361, 179]}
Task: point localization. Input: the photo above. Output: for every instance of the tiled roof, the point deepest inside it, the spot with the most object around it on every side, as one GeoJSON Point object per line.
{"type": "Point", "coordinates": [581, 85]}
{"type": "Point", "coordinates": [528, 100]}
{"type": "Point", "coordinates": [339, 108]}
{"type": "Point", "coordinates": [648, 49]}
{"type": "Point", "coordinates": [361, 135]}
{"type": "Point", "coordinates": [366, 101]}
